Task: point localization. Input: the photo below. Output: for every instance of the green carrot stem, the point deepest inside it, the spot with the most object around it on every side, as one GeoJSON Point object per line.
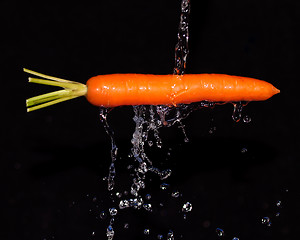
{"type": "Point", "coordinates": [71, 90]}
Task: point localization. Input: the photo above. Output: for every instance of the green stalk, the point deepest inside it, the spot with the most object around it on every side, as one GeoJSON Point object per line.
{"type": "Point", "coordinates": [70, 90]}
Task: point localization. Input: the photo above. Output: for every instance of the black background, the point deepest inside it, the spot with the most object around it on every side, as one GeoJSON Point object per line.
{"type": "Point", "coordinates": [53, 160]}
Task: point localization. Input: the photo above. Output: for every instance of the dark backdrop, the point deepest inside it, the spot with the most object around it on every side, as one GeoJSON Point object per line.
{"type": "Point", "coordinates": [53, 160]}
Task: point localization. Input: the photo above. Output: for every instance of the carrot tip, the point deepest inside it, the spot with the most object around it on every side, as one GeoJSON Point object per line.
{"type": "Point", "coordinates": [275, 90]}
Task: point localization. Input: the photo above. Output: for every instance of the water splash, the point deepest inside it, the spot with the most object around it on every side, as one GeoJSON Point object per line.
{"type": "Point", "coordinates": [148, 121]}
{"type": "Point", "coordinates": [181, 48]}
{"type": "Point", "coordinates": [114, 150]}
{"type": "Point", "coordinates": [237, 112]}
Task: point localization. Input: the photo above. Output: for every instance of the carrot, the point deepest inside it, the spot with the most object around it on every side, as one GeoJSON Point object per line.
{"type": "Point", "coordinates": [145, 89]}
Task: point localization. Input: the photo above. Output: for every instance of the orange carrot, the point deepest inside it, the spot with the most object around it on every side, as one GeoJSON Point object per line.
{"type": "Point", "coordinates": [146, 89]}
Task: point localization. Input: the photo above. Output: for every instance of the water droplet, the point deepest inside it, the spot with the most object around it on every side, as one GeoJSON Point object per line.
{"type": "Point", "coordinates": [113, 211]}
{"type": "Point", "coordinates": [164, 186]}
{"type": "Point", "coordinates": [160, 237]}
{"type": "Point", "coordinates": [148, 207]}
{"type": "Point", "coordinates": [220, 232]}
{"type": "Point", "coordinates": [119, 195]}
{"type": "Point", "coordinates": [103, 215]}
{"type": "Point", "coordinates": [237, 111]}
{"type": "Point", "coordinates": [235, 238]}
{"type": "Point", "coordinates": [94, 199]}
{"type": "Point", "coordinates": [93, 233]}
{"type": "Point", "coordinates": [165, 174]}
{"type": "Point", "coordinates": [150, 143]}
{"type": "Point", "coordinates": [114, 150]}
{"type": "Point", "coordinates": [277, 214]}
{"type": "Point", "coordinates": [244, 150]}
{"type": "Point", "coordinates": [159, 143]}
{"type": "Point", "coordinates": [147, 231]}
{"type": "Point", "coordinates": [247, 119]}
{"type": "Point", "coordinates": [181, 47]}
{"type": "Point", "coordinates": [148, 196]}
{"type": "Point", "coordinates": [124, 204]}
{"type": "Point", "coordinates": [212, 130]}
{"type": "Point", "coordinates": [278, 204]}
{"type": "Point", "coordinates": [143, 168]}
{"type": "Point", "coordinates": [126, 225]}
{"type": "Point", "coordinates": [110, 232]}
{"type": "Point", "coordinates": [187, 207]}
{"type": "Point", "coordinates": [175, 194]}
{"type": "Point", "coordinates": [266, 221]}
{"type": "Point", "coordinates": [170, 235]}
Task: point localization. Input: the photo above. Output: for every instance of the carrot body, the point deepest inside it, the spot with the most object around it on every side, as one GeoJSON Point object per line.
{"type": "Point", "coordinates": [146, 89]}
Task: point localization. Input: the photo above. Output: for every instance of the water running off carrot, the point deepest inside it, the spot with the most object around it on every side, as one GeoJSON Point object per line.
{"type": "Point", "coordinates": [146, 89]}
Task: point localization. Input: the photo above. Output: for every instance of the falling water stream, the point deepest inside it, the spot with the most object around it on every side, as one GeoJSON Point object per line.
{"type": "Point", "coordinates": [148, 120]}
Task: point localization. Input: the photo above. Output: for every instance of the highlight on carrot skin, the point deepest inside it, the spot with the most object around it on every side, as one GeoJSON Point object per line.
{"type": "Point", "coordinates": [146, 89]}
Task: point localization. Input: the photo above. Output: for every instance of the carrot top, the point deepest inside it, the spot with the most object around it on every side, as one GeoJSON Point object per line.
{"type": "Point", "coordinates": [70, 90]}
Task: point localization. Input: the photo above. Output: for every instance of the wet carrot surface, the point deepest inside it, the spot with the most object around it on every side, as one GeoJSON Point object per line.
{"type": "Point", "coordinates": [146, 89]}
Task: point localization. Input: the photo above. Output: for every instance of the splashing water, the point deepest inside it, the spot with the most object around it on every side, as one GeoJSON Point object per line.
{"type": "Point", "coordinates": [148, 121]}
{"type": "Point", "coordinates": [181, 48]}
{"type": "Point", "coordinates": [237, 112]}
{"type": "Point", "coordinates": [114, 150]}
